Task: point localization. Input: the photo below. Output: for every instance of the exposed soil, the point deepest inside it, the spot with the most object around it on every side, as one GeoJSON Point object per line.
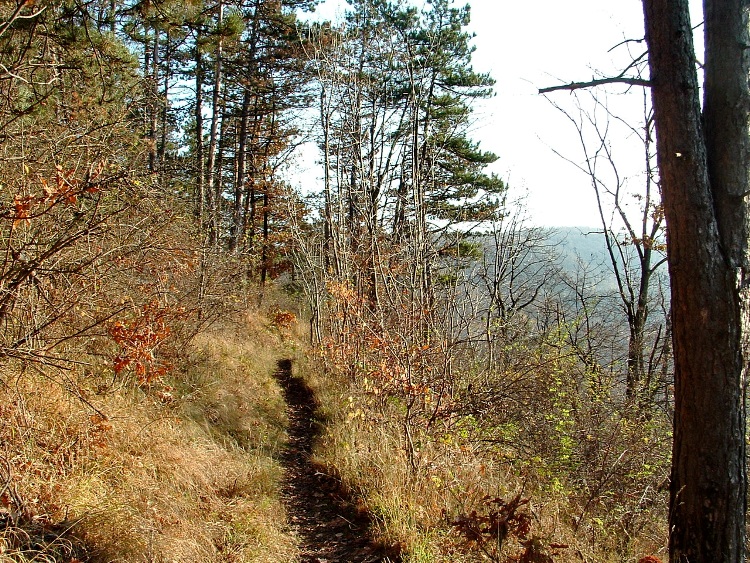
{"type": "Point", "coordinates": [325, 518]}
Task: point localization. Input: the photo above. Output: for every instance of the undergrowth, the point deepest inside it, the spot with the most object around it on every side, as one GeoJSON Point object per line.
{"type": "Point", "coordinates": [589, 493]}
{"type": "Point", "coordinates": [96, 467]}
{"type": "Point", "coordinates": [183, 466]}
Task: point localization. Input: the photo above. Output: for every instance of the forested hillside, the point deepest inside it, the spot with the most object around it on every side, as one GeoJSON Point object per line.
{"type": "Point", "coordinates": [482, 392]}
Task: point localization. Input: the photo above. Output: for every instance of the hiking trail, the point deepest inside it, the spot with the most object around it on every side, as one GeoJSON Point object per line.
{"type": "Point", "coordinates": [330, 527]}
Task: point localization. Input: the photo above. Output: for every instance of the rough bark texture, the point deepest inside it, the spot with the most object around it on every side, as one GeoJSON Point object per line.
{"type": "Point", "coordinates": [704, 177]}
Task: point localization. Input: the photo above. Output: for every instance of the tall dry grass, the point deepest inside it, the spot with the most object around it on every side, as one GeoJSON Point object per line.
{"type": "Point", "coordinates": [183, 471]}
{"type": "Point", "coordinates": [457, 479]}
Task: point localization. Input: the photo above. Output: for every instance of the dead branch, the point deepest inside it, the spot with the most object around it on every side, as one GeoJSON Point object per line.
{"type": "Point", "coordinates": [597, 82]}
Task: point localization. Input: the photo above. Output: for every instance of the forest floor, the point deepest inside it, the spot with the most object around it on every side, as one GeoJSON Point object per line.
{"type": "Point", "coordinates": [330, 526]}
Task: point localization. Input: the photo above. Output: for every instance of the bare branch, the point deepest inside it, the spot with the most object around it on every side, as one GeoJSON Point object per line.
{"type": "Point", "coordinates": [626, 42]}
{"type": "Point", "coordinates": [597, 82]}
{"type": "Point", "coordinates": [16, 15]}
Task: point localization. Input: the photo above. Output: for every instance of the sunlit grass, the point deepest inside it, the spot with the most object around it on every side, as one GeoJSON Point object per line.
{"type": "Point", "coordinates": [452, 477]}
{"type": "Point", "coordinates": [182, 474]}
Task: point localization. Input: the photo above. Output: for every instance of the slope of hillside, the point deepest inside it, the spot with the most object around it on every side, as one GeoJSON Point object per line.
{"type": "Point", "coordinates": [185, 470]}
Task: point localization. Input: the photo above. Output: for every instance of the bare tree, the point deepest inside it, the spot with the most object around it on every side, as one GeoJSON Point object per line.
{"type": "Point", "coordinates": [519, 262]}
{"type": "Point", "coordinates": [634, 240]}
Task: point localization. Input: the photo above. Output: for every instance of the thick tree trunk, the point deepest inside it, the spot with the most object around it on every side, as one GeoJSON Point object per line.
{"type": "Point", "coordinates": [704, 177]}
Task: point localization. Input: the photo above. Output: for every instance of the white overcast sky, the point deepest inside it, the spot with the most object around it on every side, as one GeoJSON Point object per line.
{"type": "Point", "coordinates": [526, 45]}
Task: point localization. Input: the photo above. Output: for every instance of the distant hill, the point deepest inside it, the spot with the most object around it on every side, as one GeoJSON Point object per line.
{"type": "Point", "coordinates": [586, 243]}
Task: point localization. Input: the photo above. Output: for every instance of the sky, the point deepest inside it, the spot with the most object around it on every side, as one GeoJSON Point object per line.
{"type": "Point", "coordinates": [530, 45]}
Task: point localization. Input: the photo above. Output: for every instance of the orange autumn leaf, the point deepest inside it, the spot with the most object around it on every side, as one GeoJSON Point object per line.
{"type": "Point", "coordinates": [22, 205]}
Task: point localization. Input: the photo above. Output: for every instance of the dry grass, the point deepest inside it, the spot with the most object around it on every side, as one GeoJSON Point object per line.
{"type": "Point", "coordinates": [182, 472]}
{"type": "Point", "coordinates": [416, 507]}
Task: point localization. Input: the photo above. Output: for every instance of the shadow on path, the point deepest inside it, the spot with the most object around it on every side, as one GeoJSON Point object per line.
{"type": "Point", "coordinates": [325, 518]}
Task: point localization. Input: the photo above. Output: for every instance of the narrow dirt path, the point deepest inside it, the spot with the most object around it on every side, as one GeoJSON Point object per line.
{"type": "Point", "coordinates": [325, 518]}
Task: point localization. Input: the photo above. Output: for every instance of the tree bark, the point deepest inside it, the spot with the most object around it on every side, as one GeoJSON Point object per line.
{"type": "Point", "coordinates": [200, 174]}
{"type": "Point", "coordinates": [213, 203]}
{"type": "Point", "coordinates": [704, 180]}
{"type": "Point", "coordinates": [153, 117]}
{"type": "Point", "coordinates": [327, 209]}
{"type": "Point", "coordinates": [162, 149]}
{"type": "Point", "coordinates": [218, 188]}
{"type": "Point", "coordinates": [239, 185]}
{"type": "Point", "coordinates": [151, 70]}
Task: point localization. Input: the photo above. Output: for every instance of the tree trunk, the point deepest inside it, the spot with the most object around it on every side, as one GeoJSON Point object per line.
{"type": "Point", "coordinates": [213, 204]}
{"type": "Point", "coordinates": [150, 66]}
{"type": "Point", "coordinates": [153, 117]}
{"type": "Point", "coordinates": [219, 167]}
{"type": "Point", "coordinates": [327, 210]}
{"type": "Point", "coordinates": [270, 183]}
{"type": "Point", "coordinates": [704, 180]}
{"type": "Point", "coordinates": [239, 185]}
{"type": "Point", "coordinates": [240, 209]}
{"type": "Point", "coordinates": [265, 250]}
{"type": "Point", "coordinates": [200, 173]}
{"type": "Point", "coordinates": [165, 101]}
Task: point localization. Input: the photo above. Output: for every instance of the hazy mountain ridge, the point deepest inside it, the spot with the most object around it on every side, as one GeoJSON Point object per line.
{"type": "Point", "coordinates": [580, 243]}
